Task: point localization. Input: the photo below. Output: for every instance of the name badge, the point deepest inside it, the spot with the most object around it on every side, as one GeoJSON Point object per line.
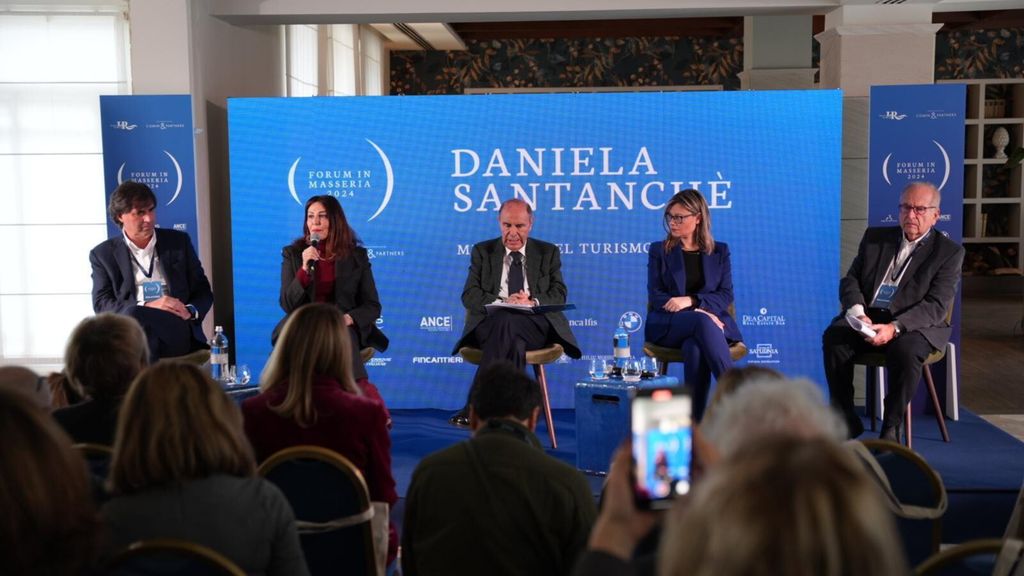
{"type": "Point", "coordinates": [152, 291]}
{"type": "Point", "coordinates": [886, 292]}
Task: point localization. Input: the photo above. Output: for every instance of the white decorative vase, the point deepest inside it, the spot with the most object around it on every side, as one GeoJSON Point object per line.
{"type": "Point", "coordinates": [1000, 139]}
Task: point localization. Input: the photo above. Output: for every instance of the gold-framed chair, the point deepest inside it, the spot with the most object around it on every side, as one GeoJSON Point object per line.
{"type": "Point", "coordinates": [538, 359]}
{"type": "Point", "coordinates": [985, 556]}
{"type": "Point", "coordinates": [168, 556]}
{"type": "Point", "coordinates": [913, 491]}
{"type": "Point", "coordinates": [333, 512]}
{"type": "Point", "coordinates": [366, 354]}
{"type": "Point", "coordinates": [665, 355]}
{"type": "Point", "coordinates": [97, 457]}
{"type": "Point", "coordinates": [196, 357]}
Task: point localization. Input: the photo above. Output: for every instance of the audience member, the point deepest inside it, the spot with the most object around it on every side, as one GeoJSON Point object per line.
{"type": "Point", "coordinates": [103, 356]}
{"type": "Point", "coordinates": [183, 469]}
{"type": "Point", "coordinates": [63, 391]}
{"type": "Point", "coordinates": [309, 397]}
{"type": "Point", "coordinates": [778, 505]}
{"type": "Point", "coordinates": [735, 378]}
{"type": "Point", "coordinates": [27, 381]}
{"type": "Point", "coordinates": [496, 504]}
{"type": "Point", "coordinates": [48, 523]}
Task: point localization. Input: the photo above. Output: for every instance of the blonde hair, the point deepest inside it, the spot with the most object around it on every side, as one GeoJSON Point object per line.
{"type": "Point", "coordinates": [176, 424]}
{"type": "Point", "coordinates": [314, 342]}
{"type": "Point", "coordinates": [693, 202]}
{"type": "Point", "coordinates": [49, 523]}
{"type": "Point", "coordinates": [105, 353]}
{"type": "Point", "coordinates": [835, 523]}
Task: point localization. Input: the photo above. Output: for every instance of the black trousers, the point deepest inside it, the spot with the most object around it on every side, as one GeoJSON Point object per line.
{"type": "Point", "coordinates": [506, 335]}
{"type": "Point", "coordinates": [904, 358]}
{"type": "Point", "coordinates": [167, 334]}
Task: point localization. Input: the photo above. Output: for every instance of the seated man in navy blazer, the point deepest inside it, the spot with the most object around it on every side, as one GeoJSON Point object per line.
{"type": "Point", "coordinates": [901, 284]}
{"type": "Point", "coordinates": [514, 269]}
{"type": "Point", "coordinates": [151, 274]}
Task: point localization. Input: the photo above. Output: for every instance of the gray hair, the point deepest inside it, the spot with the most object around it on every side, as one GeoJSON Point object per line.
{"type": "Point", "coordinates": [936, 194]}
{"type": "Point", "coordinates": [768, 407]}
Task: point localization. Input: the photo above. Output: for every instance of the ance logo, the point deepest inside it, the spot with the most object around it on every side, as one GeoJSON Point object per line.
{"type": "Point", "coordinates": [342, 182]}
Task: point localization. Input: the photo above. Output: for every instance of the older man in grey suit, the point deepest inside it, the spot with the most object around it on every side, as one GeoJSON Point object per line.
{"type": "Point", "coordinates": [514, 269]}
{"type": "Point", "coordinates": [901, 285]}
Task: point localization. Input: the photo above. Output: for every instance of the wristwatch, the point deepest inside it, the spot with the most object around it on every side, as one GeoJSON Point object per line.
{"type": "Point", "coordinates": [193, 310]}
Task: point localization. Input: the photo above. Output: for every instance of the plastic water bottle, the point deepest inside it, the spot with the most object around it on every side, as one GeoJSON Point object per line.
{"type": "Point", "coordinates": [219, 355]}
{"type": "Point", "coordinates": [620, 341]}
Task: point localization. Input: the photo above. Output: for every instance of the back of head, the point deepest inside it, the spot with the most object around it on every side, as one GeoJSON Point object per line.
{"type": "Point", "coordinates": [48, 524]}
{"type": "Point", "coordinates": [735, 378]}
{"type": "Point", "coordinates": [314, 342]}
{"type": "Point", "coordinates": [24, 380]}
{"type": "Point", "coordinates": [501, 391]}
{"type": "Point", "coordinates": [105, 353]}
{"type": "Point", "coordinates": [176, 425]}
{"type": "Point", "coordinates": [783, 505]}
{"type": "Point", "coordinates": [767, 407]}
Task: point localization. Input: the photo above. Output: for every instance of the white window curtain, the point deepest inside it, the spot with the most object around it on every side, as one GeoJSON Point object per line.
{"type": "Point", "coordinates": [303, 60]}
{"type": "Point", "coordinates": [54, 65]}
{"type": "Point", "coordinates": [371, 46]}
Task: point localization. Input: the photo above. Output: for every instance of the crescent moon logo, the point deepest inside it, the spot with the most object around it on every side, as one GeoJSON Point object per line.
{"type": "Point", "coordinates": [885, 169]}
{"type": "Point", "coordinates": [177, 170]}
{"type": "Point", "coordinates": [945, 158]}
{"type": "Point", "coordinates": [120, 171]}
{"type": "Point", "coordinates": [387, 171]}
{"type": "Point", "coordinates": [291, 180]}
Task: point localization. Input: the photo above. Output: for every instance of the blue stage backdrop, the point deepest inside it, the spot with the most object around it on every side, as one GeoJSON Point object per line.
{"type": "Point", "coordinates": [148, 139]}
{"type": "Point", "coordinates": [421, 179]}
{"type": "Point", "coordinates": [917, 134]}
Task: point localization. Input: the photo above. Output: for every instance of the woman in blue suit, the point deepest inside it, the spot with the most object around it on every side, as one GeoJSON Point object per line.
{"type": "Point", "coordinates": [689, 290]}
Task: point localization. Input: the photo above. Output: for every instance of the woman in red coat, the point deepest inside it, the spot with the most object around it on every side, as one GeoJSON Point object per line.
{"type": "Point", "coordinates": [309, 397]}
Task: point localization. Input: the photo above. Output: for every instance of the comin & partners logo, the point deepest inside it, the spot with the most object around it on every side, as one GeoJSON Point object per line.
{"type": "Point", "coordinates": [763, 318]}
{"type": "Point", "coordinates": [383, 252]}
{"type": "Point", "coordinates": [764, 353]}
{"type": "Point", "coordinates": [165, 125]}
{"type": "Point", "coordinates": [436, 323]}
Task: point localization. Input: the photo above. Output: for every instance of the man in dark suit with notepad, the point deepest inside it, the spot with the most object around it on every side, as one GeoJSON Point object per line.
{"type": "Point", "coordinates": [517, 270]}
{"type": "Point", "coordinates": [900, 287]}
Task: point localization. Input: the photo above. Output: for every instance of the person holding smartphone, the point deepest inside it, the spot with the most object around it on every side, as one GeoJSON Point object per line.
{"type": "Point", "coordinates": [689, 290]}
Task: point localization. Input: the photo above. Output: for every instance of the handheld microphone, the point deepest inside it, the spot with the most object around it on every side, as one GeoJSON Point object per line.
{"type": "Point", "coordinates": [314, 241]}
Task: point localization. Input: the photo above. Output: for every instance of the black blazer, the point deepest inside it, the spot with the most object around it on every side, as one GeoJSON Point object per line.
{"type": "Point", "coordinates": [355, 293]}
{"type": "Point", "coordinates": [926, 291]}
{"type": "Point", "coordinates": [113, 279]}
{"type": "Point", "coordinates": [543, 274]}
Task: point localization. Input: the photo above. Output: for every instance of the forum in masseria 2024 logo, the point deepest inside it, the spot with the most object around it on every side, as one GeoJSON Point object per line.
{"type": "Point", "coordinates": [163, 177]}
{"type": "Point", "coordinates": [363, 182]}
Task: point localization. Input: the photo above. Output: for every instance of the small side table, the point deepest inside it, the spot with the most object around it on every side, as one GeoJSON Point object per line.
{"type": "Point", "coordinates": [603, 418]}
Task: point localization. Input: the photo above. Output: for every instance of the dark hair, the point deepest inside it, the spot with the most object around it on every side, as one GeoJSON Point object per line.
{"type": "Point", "coordinates": [127, 196]}
{"type": "Point", "coordinates": [501, 391]}
{"type": "Point", "coordinates": [341, 239]}
{"type": "Point", "coordinates": [49, 523]}
{"type": "Point", "coordinates": [105, 353]}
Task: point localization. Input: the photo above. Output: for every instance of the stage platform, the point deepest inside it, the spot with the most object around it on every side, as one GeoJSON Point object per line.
{"type": "Point", "coordinates": [982, 466]}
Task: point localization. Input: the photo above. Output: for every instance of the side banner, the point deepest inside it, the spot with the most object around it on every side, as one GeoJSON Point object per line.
{"type": "Point", "coordinates": [917, 134]}
{"type": "Point", "coordinates": [149, 139]}
{"type": "Point", "coordinates": [421, 179]}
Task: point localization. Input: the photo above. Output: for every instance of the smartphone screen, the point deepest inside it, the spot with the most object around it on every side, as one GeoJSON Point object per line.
{"type": "Point", "coordinates": [662, 445]}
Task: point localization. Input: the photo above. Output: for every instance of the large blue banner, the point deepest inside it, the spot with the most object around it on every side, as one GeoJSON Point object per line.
{"type": "Point", "coordinates": [421, 179]}
{"type": "Point", "coordinates": [917, 134]}
{"type": "Point", "coordinates": [148, 139]}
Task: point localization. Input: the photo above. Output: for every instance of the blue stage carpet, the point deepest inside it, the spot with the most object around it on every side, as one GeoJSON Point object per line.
{"type": "Point", "coordinates": [982, 467]}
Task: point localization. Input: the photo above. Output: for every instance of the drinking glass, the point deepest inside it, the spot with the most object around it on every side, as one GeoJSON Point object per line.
{"type": "Point", "coordinates": [631, 370]}
{"type": "Point", "coordinates": [242, 375]}
{"type": "Point", "coordinates": [597, 369]}
{"type": "Point", "coordinates": [649, 367]}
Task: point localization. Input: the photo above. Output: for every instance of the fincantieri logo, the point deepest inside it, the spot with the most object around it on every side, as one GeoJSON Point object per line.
{"type": "Point", "coordinates": [342, 183]}
{"type": "Point", "coordinates": [156, 177]}
{"type": "Point", "coordinates": [915, 169]}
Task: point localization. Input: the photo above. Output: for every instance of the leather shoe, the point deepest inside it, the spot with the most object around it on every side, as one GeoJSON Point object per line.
{"type": "Point", "coordinates": [460, 420]}
{"type": "Point", "coordinates": [890, 433]}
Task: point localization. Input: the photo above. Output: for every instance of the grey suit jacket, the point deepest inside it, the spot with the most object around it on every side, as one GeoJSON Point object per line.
{"type": "Point", "coordinates": [926, 291]}
{"type": "Point", "coordinates": [543, 275]}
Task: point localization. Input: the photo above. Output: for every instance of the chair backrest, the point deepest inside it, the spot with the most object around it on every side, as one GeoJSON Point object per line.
{"type": "Point", "coordinates": [332, 508]}
{"type": "Point", "coordinates": [913, 490]}
{"type": "Point", "coordinates": [97, 456]}
{"type": "Point", "coordinates": [989, 556]}
{"type": "Point", "coordinates": [166, 557]}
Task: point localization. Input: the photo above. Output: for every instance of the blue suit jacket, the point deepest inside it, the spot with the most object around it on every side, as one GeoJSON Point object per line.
{"type": "Point", "coordinates": [113, 279]}
{"type": "Point", "coordinates": [666, 278]}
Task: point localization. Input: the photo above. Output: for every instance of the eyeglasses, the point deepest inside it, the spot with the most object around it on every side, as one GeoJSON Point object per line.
{"type": "Point", "coordinates": [677, 218]}
{"type": "Point", "coordinates": [919, 210]}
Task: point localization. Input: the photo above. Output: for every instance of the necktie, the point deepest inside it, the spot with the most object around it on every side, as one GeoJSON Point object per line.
{"type": "Point", "coordinates": [515, 273]}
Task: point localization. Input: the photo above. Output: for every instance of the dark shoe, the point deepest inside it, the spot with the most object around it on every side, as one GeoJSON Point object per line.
{"type": "Point", "coordinates": [460, 420]}
{"type": "Point", "coordinates": [854, 425]}
{"type": "Point", "coordinates": [890, 433]}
